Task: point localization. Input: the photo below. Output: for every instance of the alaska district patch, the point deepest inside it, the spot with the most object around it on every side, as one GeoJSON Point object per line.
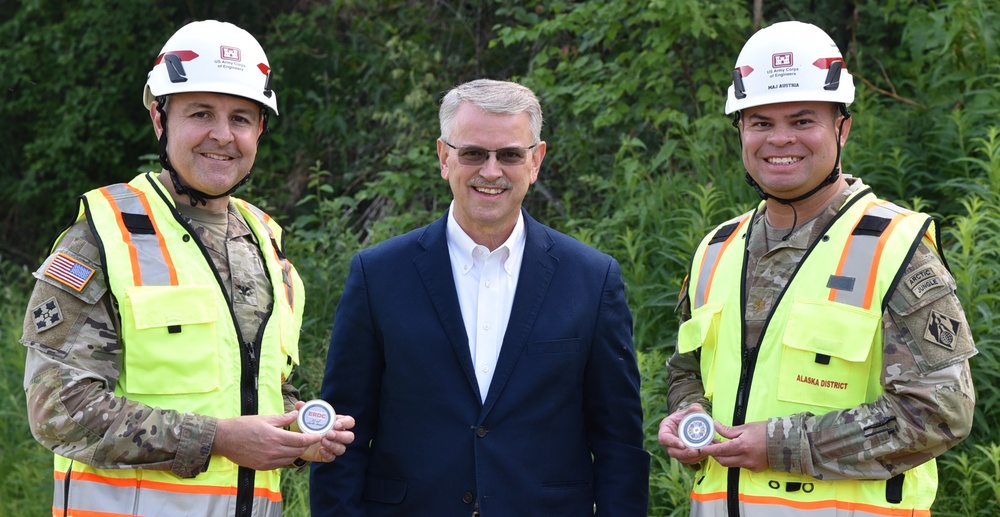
{"type": "Point", "coordinates": [69, 271]}
{"type": "Point", "coordinates": [941, 330]}
{"type": "Point", "coordinates": [47, 315]}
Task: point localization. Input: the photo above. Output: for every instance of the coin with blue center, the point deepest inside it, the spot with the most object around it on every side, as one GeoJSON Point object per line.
{"type": "Point", "coordinates": [697, 430]}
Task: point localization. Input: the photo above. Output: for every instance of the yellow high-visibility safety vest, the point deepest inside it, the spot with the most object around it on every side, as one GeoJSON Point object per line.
{"type": "Point", "coordinates": [183, 352]}
{"type": "Point", "coordinates": [821, 351]}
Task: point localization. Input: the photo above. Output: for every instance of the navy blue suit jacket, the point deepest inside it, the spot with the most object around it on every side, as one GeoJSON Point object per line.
{"type": "Point", "coordinates": [560, 431]}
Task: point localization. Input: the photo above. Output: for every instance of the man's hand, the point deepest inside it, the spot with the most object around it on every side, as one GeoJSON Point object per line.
{"type": "Point", "coordinates": [334, 442]}
{"type": "Point", "coordinates": [746, 447]}
{"type": "Point", "coordinates": [260, 442]}
{"type": "Point", "coordinates": [669, 437]}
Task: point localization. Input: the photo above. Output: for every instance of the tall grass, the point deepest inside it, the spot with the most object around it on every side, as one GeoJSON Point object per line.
{"type": "Point", "coordinates": [25, 466]}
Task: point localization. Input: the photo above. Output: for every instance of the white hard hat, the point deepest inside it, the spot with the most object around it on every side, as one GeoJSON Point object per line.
{"type": "Point", "coordinates": [789, 62]}
{"type": "Point", "coordinates": [212, 56]}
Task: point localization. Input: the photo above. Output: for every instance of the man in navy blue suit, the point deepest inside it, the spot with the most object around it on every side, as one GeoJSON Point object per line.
{"type": "Point", "coordinates": [487, 359]}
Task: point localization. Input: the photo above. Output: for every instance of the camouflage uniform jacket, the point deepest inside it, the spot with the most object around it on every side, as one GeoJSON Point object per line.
{"type": "Point", "coordinates": [928, 402]}
{"type": "Point", "coordinates": [74, 357]}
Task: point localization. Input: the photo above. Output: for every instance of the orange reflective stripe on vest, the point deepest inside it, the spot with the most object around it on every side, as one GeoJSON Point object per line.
{"type": "Point", "coordinates": [151, 264]}
{"type": "Point", "coordinates": [94, 495]}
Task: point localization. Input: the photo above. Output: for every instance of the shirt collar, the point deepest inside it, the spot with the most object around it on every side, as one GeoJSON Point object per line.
{"type": "Point", "coordinates": [462, 246]}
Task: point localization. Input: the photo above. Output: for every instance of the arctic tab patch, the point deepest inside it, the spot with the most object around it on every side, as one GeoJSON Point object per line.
{"type": "Point", "coordinates": [923, 280]}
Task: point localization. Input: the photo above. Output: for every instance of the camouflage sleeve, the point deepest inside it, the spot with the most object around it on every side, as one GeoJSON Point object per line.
{"type": "Point", "coordinates": [73, 365]}
{"type": "Point", "coordinates": [290, 395]}
{"type": "Point", "coordinates": [684, 385]}
{"type": "Point", "coordinates": [928, 402]}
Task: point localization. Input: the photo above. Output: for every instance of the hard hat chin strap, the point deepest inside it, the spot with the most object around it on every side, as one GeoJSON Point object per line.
{"type": "Point", "coordinates": [194, 195]}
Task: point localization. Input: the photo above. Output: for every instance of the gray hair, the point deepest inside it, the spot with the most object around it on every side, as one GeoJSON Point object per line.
{"type": "Point", "coordinates": [497, 97]}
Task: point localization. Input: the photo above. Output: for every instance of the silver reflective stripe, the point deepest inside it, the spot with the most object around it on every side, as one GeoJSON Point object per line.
{"type": "Point", "coordinates": [123, 497]}
{"type": "Point", "coordinates": [706, 273]}
{"type": "Point", "coordinates": [150, 256]}
{"type": "Point", "coordinates": [712, 253]}
{"type": "Point", "coordinates": [717, 508]}
{"type": "Point", "coordinates": [861, 263]}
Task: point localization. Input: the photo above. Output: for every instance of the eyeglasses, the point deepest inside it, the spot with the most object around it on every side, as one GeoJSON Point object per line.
{"type": "Point", "coordinates": [478, 156]}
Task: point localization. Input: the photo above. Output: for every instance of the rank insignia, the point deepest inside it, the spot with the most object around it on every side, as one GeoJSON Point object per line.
{"type": "Point", "coordinates": [47, 315]}
{"type": "Point", "coordinates": [941, 330]}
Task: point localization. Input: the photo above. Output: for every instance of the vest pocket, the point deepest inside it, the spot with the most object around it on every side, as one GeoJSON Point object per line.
{"type": "Point", "coordinates": [826, 359]}
{"type": "Point", "coordinates": [702, 331]}
{"type": "Point", "coordinates": [166, 330]}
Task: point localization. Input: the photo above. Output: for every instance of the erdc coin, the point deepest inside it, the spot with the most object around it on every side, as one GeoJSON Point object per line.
{"type": "Point", "coordinates": [697, 430]}
{"type": "Point", "coordinates": [316, 417]}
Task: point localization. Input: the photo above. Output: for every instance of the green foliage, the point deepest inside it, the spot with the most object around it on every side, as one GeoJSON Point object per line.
{"type": "Point", "coordinates": [971, 482]}
{"type": "Point", "coordinates": [973, 247]}
{"type": "Point", "coordinates": [74, 93]}
{"type": "Point", "coordinates": [25, 466]}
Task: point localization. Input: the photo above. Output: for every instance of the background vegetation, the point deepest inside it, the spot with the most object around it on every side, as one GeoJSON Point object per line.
{"type": "Point", "coordinates": [641, 161]}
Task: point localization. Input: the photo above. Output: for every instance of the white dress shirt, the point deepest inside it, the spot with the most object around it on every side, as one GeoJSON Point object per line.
{"type": "Point", "coordinates": [486, 282]}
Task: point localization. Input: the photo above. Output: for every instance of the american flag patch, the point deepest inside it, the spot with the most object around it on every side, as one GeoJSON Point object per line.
{"type": "Point", "coordinates": [69, 271]}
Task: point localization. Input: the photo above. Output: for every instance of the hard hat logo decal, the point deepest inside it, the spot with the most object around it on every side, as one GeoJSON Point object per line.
{"type": "Point", "coordinates": [183, 55]}
{"type": "Point", "coordinates": [782, 60]}
{"type": "Point", "coordinates": [229, 53]}
{"type": "Point", "coordinates": [824, 63]}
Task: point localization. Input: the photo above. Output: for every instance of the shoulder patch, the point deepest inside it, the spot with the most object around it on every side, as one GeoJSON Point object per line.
{"type": "Point", "coordinates": [69, 271]}
{"type": "Point", "coordinates": [941, 329]}
{"type": "Point", "coordinates": [923, 280]}
{"type": "Point", "coordinates": [73, 270]}
{"type": "Point", "coordinates": [47, 315]}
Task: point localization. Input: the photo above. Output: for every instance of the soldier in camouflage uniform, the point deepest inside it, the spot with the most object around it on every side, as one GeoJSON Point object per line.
{"type": "Point", "coordinates": [919, 400]}
{"type": "Point", "coordinates": [79, 403]}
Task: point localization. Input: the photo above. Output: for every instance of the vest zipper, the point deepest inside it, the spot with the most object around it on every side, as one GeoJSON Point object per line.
{"type": "Point", "coordinates": [748, 362]}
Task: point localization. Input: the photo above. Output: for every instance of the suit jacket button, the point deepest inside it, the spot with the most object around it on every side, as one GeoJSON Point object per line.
{"type": "Point", "coordinates": [467, 498]}
{"type": "Point", "coordinates": [481, 431]}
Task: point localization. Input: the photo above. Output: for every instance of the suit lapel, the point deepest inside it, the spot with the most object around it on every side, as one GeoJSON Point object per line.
{"type": "Point", "coordinates": [533, 281]}
{"type": "Point", "coordinates": [434, 268]}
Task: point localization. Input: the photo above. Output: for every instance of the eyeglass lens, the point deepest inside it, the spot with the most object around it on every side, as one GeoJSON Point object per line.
{"type": "Point", "coordinates": [479, 156]}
